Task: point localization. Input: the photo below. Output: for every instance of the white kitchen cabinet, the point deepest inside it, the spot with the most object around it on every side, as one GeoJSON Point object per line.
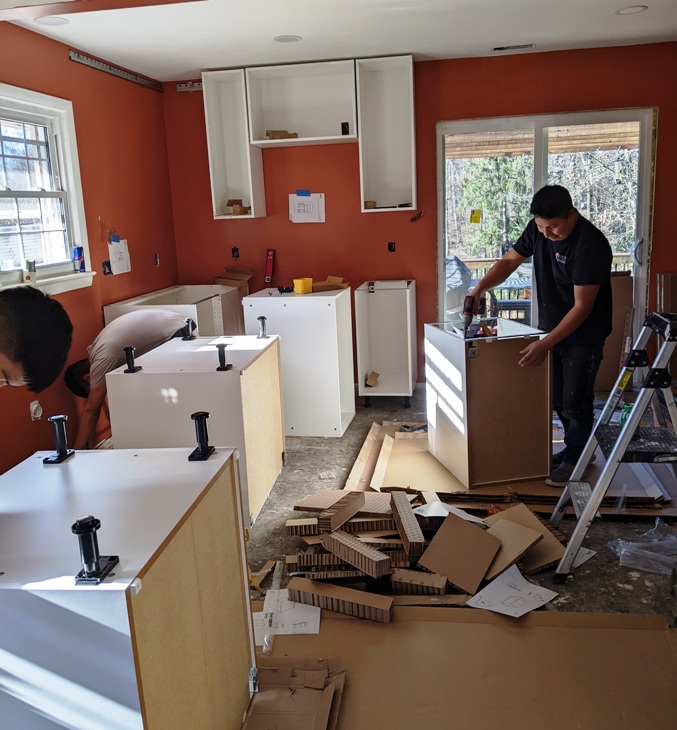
{"type": "Point", "coordinates": [215, 309]}
{"type": "Point", "coordinates": [489, 420]}
{"type": "Point", "coordinates": [165, 640]}
{"type": "Point", "coordinates": [316, 356]}
{"type": "Point", "coordinates": [370, 101]}
{"type": "Point", "coordinates": [385, 332]}
{"type": "Point", "coordinates": [152, 407]}
{"type": "Point", "coordinates": [385, 104]}
{"type": "Point", "coordinates": [235, 167]}
{"type": "Point", "coordinates": [314, 100]}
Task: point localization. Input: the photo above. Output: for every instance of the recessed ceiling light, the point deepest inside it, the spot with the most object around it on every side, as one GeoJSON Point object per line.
{"type": "Point", "coordinates": [51, 20]}
{"type": "Point", "coordinates": [632, 10]}
{"type": "Point", "coordinates": [287, 38]}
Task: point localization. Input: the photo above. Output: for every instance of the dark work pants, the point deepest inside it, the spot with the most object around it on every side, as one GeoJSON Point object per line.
{"type": "Point", "coordinates": [574, 368]}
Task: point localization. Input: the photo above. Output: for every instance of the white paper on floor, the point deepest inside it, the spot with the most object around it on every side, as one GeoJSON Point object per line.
{"type": "Point", "coordinates": [511, 594]}
{"type": "Point", "coordinates": [288, 617]}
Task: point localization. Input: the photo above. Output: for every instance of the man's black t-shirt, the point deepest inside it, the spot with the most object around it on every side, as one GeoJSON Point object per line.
{"type": "Point", "coordinates": [582, 258]}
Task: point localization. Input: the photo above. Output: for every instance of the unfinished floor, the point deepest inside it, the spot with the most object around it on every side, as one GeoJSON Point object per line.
{"type": "Point", "coordinates": [312, 464]}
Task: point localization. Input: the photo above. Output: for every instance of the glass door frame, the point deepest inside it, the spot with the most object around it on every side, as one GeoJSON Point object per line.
{"type": "Point", "coordinates": [641, 251]}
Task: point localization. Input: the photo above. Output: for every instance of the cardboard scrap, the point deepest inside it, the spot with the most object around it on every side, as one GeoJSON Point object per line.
{"type": "Point", "coordinates": [417, 582]}
{"type": "Point", "coordinates": [371, 379]}
{"type": "Point", "coordinates": [375, 505]}
{"type": "Point", "coordinates": [461, 552]}
{"type": "Point", "coordinates": [302, 673]}
{"type": "Point", "coordinates": [543, 554]}
{"type": "Point", "coordinates": [406, 462]}
{"type": "Point", "coordinates": [515, 541]}
{"type": "Point", "coordinates": [342, 600]}
{"type": "Point", "coordinates": [351, 550]}
{"type": "Point", "coordinates": [341, 511]}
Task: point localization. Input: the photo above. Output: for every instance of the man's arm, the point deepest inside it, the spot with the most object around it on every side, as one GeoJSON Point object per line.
{"type": "Point", "coordinates": [498, 273]}
{"type": "Point", "coordinates": [584, 300]}
{"type": "Point", "coordinates": [90, 416]}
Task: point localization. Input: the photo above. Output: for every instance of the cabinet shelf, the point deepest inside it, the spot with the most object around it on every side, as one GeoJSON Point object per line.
{"type": "Point", "coordinates": [314, 100]}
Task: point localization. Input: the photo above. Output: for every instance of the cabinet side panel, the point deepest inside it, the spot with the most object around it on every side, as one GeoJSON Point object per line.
{"type": "Point", "coordinates": [447, 400]}
{"type": "Point", "coordinates": [509, 414]}
{"type": "Point", "coordinates": [190, 624]}
{"type": "Point", "coordinates": [262, 425]}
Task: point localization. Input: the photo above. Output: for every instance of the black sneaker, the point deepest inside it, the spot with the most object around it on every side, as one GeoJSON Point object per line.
{"type": "Point", "coordinates": [560, 476]}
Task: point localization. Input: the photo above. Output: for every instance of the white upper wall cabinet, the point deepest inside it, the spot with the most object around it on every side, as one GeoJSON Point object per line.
{"type": "Point", "coordinates": [314, 100]}
{"type": "Point", "coordinates": [235, 167]}
{"type": "Point", "coordinates": [370, 101]}
{"type": "Point", "coordinates": [385, 104]}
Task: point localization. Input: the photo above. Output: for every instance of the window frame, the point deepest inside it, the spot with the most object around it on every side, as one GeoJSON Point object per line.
{"type": "Point", "coordinates": [57, 115]}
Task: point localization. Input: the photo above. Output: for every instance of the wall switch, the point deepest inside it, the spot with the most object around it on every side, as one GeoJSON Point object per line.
{"type": "Point", "coordinates": [236, 252]}
{"type": "Point", "coordinates": [391, 246]}
{"type": "Point", "coordinates": [157, 259]}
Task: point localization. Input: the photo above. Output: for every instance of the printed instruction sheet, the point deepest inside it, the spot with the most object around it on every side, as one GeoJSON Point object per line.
{"type": "Point", "coordinates": [284, 617]}
{"type": "Point", "coordinates": [511, 594]}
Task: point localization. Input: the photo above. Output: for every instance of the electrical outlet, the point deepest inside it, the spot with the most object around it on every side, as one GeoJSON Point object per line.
{"type": "Point", "coordinates": [36, 410]}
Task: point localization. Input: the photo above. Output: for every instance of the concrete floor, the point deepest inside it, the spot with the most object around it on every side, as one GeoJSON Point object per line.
{"type": "Point", "coordinates": [600, 585]}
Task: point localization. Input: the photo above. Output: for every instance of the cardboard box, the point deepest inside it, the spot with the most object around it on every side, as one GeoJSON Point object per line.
{"type": "Point", "coordinates": [303, 286]}
{"type": "Point", "coordinates": [332, 283]}
{"type": "Point", "coordinates": [235, 277]}
{"type": "Point", "coordinates": [280, 134]}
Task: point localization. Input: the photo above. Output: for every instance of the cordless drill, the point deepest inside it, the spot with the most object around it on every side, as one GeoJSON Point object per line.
{"type": "Point", "coordinates": [468, 307]}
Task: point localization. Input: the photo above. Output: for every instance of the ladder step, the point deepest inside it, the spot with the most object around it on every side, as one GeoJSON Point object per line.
{"type": "Point", "coordinates": [580, 493]}
{"type": "Point", "coordinates": [647, 444]}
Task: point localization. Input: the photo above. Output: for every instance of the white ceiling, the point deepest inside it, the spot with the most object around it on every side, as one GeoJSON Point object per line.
{"type": "Point", "coordinates": [176, 42]}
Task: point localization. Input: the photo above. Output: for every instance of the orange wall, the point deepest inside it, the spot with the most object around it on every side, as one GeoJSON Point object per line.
{"type": "Point", "coordinates": [134, 177]}
{"type": "Point", "coordinates": [125, 180]}
{"type": "Point", "coordinates": [354, 245]}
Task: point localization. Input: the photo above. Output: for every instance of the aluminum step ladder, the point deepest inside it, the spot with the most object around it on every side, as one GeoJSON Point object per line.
{"type": "Point", "coordinates": [625, 443]}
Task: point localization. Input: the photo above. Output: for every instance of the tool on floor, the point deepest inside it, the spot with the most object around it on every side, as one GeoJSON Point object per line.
{"type": "Point", "coordinates": [626, 442]}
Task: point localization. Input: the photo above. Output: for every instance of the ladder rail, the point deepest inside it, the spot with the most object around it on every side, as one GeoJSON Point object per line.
{"type": "Point", "coordinates": [565, 500]}
{"type": "Point", "coordinates": [625, 436]}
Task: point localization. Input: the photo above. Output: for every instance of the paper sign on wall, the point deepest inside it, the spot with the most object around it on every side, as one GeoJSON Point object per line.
{"type": "Point", "coordinates": [306, 207]}
{"type": "Point", "coordinates": [118, 253]}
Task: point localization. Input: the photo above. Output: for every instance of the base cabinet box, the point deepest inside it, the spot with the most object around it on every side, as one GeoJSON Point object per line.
{"type": "Point", "coordinates": [164, 641]}
{"type": "Point", "coordinates": [385, 328]}
{"type": "Point", "coordinates": [316, 356]}
{"type": "Point", "coordinates": [489, 420]}
{"type": "Point", "coordinates": [152, 408]}
{"type": "Point", "coordinates": [215, 309]}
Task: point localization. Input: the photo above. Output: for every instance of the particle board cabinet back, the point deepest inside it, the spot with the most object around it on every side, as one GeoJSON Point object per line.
{"type": "Point", "coordinates": [190, 622]}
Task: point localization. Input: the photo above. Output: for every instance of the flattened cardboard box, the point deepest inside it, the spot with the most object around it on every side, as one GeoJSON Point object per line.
{"type": "Point", "coordinates": [548, 669]}
{"type": "Point", "coordinates": [461, 552]}
{"type": "Point", "coordinates": [541, 555]}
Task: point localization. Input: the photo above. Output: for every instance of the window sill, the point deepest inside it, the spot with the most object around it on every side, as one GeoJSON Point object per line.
{"type": "Point", "coordinates": [60, 284]}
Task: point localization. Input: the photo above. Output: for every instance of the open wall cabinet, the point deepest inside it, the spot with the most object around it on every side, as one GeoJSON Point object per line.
{"type": "Point", "coordinates": [368, 101]}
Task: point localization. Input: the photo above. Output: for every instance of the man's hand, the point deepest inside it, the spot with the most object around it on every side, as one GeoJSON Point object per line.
{"type": "Point", "coordinates": [534, 354]}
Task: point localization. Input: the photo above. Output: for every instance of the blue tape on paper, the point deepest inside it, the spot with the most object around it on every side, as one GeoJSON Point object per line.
{"type": "Point", "coordinates": [304, 193]}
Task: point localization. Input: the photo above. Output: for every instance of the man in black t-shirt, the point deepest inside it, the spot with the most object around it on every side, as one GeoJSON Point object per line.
{"type": "Point", "coordinates": [572, 269]}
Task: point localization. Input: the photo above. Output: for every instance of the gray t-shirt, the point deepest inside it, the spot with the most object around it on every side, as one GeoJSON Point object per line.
{"type": "Point", "coordinates": [145, 330]}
